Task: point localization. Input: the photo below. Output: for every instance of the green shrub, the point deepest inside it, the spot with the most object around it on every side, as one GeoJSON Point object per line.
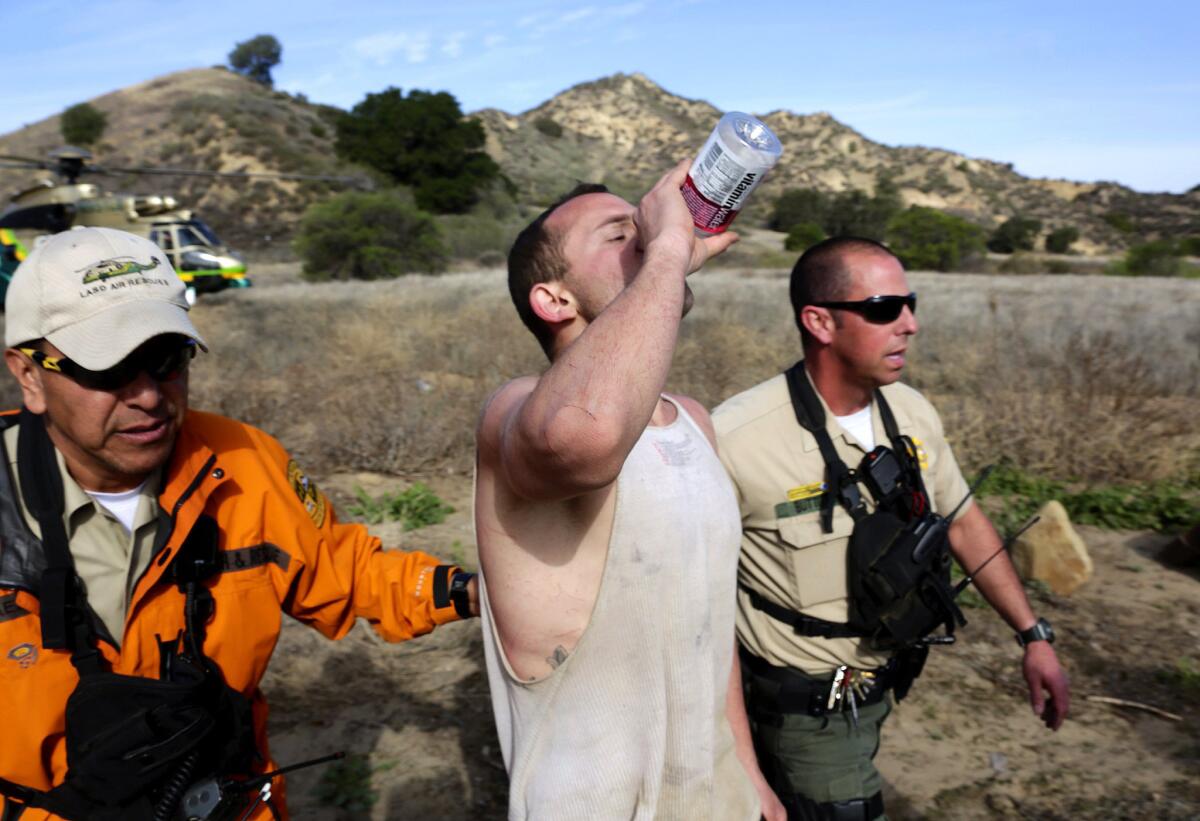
{"type": "Point", "coordinates": [1060, 240]}
{"type": "Point", "coordinates": [1190, 246]}
{"type": "Point", "coordinates": [548, 127]}
{"type": "Point", "coordinates": [467, 236]}
{"type": "Point", "coordinates": [1014, 234]}
{"type": "Point", "coordinates": [803, 236]}
{"type": "Point", "coordinates": [799, 205]}
{"type": "Point", "coordinates": [416, 507]}
{"type": "Point", "coordinates": [82, 124]}
{"type": "Point", "coordinates": [346, 784]}
{"type": "Point", "coordinates": [319, 131]}
{"type": "Point", "coordinates": [1160, 258]}
{"type": "Point", "coordinates": [1119, 221]}
{"type": "Point", "coordinates": [1165, 505]}
{"type": "Point", "coordinates": [929, 240]}
{"type": "Point", "coordinates": [373, 235]}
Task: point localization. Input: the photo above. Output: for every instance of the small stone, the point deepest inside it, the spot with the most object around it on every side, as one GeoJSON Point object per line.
{"type": "Point", "coordinates": [1052, 552]}
{"type": "Point", "coordinates": [998, 762]}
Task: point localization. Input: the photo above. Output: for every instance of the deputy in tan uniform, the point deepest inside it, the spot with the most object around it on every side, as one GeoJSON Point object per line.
{"type": "Point", "coordinates": [817, 696]}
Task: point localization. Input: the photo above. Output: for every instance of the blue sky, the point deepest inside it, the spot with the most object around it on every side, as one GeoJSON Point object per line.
{"type": "Point", "coordinates": [1085, 91]}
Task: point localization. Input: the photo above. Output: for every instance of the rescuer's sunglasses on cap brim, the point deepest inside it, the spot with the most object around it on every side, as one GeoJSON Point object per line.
{"type": "Point", "coordinates": [163, 360]}
{"type": "Point", "coordinates": [877, 309]}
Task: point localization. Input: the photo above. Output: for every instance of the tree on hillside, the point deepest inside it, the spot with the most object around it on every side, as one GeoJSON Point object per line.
{"type": "Point", "coordinates": [799, 205]}
{"type": "Point", "coordinates": [82, 124]}
{"type": "Point", "coordinates": [256, 57]}
{"type": "Point", "coordinates": [420, 140]}
{"type": "Point", "coordinates": [855, 213]}
{"type": "Point", "coordinates": [1014, 234]}
{"type": "Point", "coordinates": [1059, 240]}
{"type": "Point", "coordinates": [929, 240]}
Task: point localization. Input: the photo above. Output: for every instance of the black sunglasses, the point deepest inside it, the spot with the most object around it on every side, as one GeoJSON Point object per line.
{"type": "Point", "coordinates": [877, 309]}
{"type": "Point", "coordinates": [163, 360]}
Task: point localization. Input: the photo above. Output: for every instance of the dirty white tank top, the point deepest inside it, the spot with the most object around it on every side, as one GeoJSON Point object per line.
{"type": "Point", "coordinates": [632, 724]}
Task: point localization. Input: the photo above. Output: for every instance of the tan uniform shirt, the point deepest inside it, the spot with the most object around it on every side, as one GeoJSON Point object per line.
{"type": "Point", "coordinates": [108, 558]}
{"type": "Point", "coordinates": [777, 469]}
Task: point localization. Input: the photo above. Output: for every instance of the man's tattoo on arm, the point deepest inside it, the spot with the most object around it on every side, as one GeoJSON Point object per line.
{"type": "Point", "coordinates": [557, 658]}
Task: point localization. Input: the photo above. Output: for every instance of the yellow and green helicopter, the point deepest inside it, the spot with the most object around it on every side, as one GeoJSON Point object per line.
{"type": "Point", "coordinates": [202, 260]}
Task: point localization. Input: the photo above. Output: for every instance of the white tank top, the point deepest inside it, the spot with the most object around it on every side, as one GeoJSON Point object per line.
{"type": "Point", "coordinates": [632, 724]}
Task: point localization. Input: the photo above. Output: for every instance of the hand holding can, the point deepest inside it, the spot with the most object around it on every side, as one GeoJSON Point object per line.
{"type": "Point", "coordinates": [735, 158]}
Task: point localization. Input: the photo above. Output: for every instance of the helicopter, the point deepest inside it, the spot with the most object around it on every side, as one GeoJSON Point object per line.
{"type": "Point", "coordinates": [198, 255]}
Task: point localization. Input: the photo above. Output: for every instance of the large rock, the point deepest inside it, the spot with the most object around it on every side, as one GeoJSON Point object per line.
{"type": "Point", "coordinates": [1051, 551]}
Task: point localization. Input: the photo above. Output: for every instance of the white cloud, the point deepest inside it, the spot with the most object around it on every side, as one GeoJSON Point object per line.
{"type": "Point", "coordinates": [493, 40]}
{"type": "Point", "coordinates": [383, 47]}
{"type": "Point", "coordinates": [452, 47]}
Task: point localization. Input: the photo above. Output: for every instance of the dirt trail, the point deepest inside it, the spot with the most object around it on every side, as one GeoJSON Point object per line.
{"type": "Point", "coordinates": [965, 745]}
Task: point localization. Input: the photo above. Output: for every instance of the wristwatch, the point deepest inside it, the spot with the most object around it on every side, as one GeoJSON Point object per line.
{"type": "Point", "coordinates": [1041, 631]}
{"type": "Point", "coordinates": [459, 594]}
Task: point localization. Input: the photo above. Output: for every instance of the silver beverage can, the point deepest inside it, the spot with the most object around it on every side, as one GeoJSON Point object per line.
{"type": "Point", "coordinates": [738, 154]}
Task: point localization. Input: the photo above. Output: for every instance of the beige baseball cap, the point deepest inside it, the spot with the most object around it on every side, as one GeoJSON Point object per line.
{"type": "Point", "coordinates": [96, 294]}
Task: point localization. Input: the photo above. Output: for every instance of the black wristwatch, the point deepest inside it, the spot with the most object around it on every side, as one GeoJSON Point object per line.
{"type": "Point", "coordinates": [1041, 631]}
{"type": "Point", "coordinates": [459, 594]}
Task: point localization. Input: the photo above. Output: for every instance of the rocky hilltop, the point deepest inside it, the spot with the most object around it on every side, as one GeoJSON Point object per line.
{"type": "Point", "coordinates": [625, 129]}
{"type": "Point", "coordinates": [622, 130]}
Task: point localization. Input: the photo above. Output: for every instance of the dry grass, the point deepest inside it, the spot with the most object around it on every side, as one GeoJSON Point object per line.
{"type": "Point", "coordinates": [1087, 378]}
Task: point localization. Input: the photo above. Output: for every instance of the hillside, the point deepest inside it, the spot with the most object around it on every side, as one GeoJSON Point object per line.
{"type": "Point", "coordinates": [623, 130]}
{"type": "Point", "coordinates": [209, 120]}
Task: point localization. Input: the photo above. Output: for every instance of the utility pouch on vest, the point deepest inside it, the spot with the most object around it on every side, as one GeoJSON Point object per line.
{"type": "Point", "coordinates": [126, 734]}
{"type": "Point", "coordinates": [899, 577]}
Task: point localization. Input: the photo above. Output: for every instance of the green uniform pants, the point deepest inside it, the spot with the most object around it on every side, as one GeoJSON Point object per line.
{"type": "Point", "coordinates": [826, 758]}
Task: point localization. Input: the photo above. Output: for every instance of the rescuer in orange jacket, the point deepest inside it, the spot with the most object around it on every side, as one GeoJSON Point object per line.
{"type": "Point", "coordinates": [134, 690]}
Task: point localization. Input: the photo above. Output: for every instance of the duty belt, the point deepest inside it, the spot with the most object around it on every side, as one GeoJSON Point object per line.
{"type": "Point", "coordinates": [794, 692]}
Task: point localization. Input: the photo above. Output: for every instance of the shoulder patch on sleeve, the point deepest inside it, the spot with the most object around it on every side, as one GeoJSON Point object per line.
{"type": "Point", "coordinates": [306, 490]}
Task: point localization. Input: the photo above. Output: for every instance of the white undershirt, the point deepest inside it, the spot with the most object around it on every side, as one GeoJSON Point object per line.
{"type": "Point", "coordinates": [859, 426]}
{"type": "Point", "coordinates": [121, 505]}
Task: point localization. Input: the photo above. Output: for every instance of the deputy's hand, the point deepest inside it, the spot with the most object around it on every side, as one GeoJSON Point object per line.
{"type": "Point", "coordinates": [1049, 690]}
{"type": "Point", "coordinates": [665, 225]}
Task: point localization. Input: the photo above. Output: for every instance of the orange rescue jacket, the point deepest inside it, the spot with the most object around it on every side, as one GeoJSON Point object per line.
{"type": "Point", "coordinates": [283, 551]}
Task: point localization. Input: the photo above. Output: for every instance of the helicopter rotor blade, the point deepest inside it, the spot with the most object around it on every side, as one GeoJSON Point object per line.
{"type": "Point", "coordinates": [244, 175]}
{"type": "Point", "coordinates": [30, 162]}
{"type": "Point", "coordinates": [26, 165]}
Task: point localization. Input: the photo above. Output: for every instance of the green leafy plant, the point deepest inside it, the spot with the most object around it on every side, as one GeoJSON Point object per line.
{"type": "Point", "coordinates": [416, 506]}
{"type": "Point", "coordinates": [1165, 505]}
{"type": "Point", "coordinates": [1159, 258]}
{"type": "Point", "coordinates": [803, 236]}
{"type": "Point", "coordinates": [374, 235]}
{"type": "Point", "coordinates": [927, 239]}
{"type": "Point", "coordinates": [1183, 676]}
{"type": "Point", "coordinates": [421, 140]}
{"type": "Point", "coordinates": [346, 784]}
{"type": "Point", "coordinates": [1014, 234]}
{"type": "Point", "coordinates": [1060, 240]}
{"type": "Point", "coordinates": [799, 205]}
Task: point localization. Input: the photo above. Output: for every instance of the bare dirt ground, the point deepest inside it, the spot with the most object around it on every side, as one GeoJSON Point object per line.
{"type": "Point", "coordinates": [965, 745]}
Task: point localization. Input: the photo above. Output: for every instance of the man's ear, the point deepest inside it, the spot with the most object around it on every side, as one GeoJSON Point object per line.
{"type": "Point", "coordinates": [553, 303]}
{"type": "Point", "coordinates": [29, 377]}
{"type": "Point", "coordinates": [819, 322]}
